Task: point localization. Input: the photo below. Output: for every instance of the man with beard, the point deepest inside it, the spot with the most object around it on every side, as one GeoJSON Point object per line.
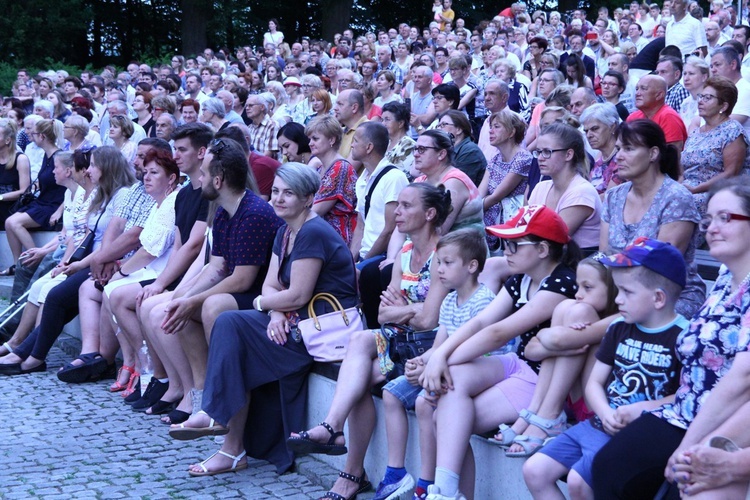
{"type": "Point", "coordinates": [243, 232]}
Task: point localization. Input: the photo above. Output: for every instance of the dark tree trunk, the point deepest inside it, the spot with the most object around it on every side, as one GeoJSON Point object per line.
{"type": "Point", "coordinates": [195, 14]}
{"type": "Point", "coordinates": [336, 15]}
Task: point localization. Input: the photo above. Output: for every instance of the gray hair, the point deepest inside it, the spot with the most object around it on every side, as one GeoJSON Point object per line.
{"type": "Point", "coordinates": [302, 179]}
{"type": "Point", "coordinates": [47, 106]}
{"type": "Point", "coordinates": [32, 119]}
{"type": "Point", "coordinates": [699, 63]}
{"type": "Point", "coordinates": [605, 113]}
{"type": "Point", "coordinates": [79, 123]}
{"type": "Point", "coordinates": [277, 89]}
{"type": "Point", "coordinates": [312, 80]}
{"type": "Point", "coordinates": [119, 105]}
{"type": "Point", "coordinates": [268, 100]}
{"type": "Point", "coordinates": [216, 106]}
{"type": "Point", "coordinates": [556, 74]}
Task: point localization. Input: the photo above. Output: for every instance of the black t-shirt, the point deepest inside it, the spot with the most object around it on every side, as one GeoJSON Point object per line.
{"type": "Point", "coordinates": [189, 207]}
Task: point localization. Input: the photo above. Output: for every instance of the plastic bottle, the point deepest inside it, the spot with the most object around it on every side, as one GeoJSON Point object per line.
{"type": "Point", "coordinates": [147, 367]}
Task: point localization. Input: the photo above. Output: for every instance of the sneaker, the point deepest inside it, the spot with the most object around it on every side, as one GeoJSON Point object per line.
{"type": "Point", "coordinates": [419, 494]}
{"type": "Point", "coordinates": [433, 493]}
{"type": "Point", "coordinates": [394, 490]}
{"type": "Point", "coordinates": [153, 393]}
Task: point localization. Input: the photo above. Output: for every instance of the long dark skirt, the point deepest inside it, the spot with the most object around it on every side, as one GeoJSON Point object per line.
{"type": "Point", "coordinates": [242, 359]}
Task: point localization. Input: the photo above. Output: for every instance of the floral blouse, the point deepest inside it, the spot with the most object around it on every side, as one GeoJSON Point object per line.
{"type": "Point", "coordinates": [338, 183]}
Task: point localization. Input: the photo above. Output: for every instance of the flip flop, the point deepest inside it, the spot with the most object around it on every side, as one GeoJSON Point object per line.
{"type": "Point", "coordinates": [183, 433]}
{"type": "Point", "coordinates": [303, 445]}
{"type": "Point", "coordinates": [236, 466]}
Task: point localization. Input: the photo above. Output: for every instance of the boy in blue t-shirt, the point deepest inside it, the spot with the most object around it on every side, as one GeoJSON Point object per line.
{"type": "Point", "coordinates": [636, 366]}
{"type": "Point", "coordinates": [460, 258]}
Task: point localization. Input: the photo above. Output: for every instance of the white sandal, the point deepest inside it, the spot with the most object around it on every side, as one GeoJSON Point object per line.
{"type": "Point", "coordinates": [236, 466]}
{"type": "Point", "coordinates": [183, 433]}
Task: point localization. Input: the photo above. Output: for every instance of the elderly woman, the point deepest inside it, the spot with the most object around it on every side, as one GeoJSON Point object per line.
{"type": "Point", "coordinates": [562, 157]}
{"type": "Point", "coordinates": [120, 131]}
{"type": "Point", "coordinates": [694, 76]}
{"type": "Point", "coordinates": [400, 146]}
{"type": "Point", "coordinates": [600, 123]}
{"type": "Point", "coordinates": [213, 112]}
{"type": "Point", "coordinates": [15, 173]}
{"type": "Point", "coordinates": [715, 362]}
{"type": "Point", "coordinates": [335, 202]}
{"type": "Point", "coordinates": [385, 84]}
{"type": "Point", "coordinates": [518, 92]}
{"type": "Point", "coordinates": [38, 213]}
{"type": "Point", "coordinates": [719, 148]}
{"type": "Point", "coordinates": [652, 203]}
{"type": "Point", "coordinates": [252, 349]}
{"type": "Point", "coordinates": [548, 81]}
{"type": "Point", "coordinates": [468, 157]}
{"type": "Point", "coordinates": [75, 130]}
{"type": "Point", "coordinates": [281, 112]}
{"type": "Point", "coordinates": [142, 107]}
{"type": "Point", "coordinates": [506, 177]}
{"type": "Point", "coordinates": [533, 65]}
{"type": "Point", "coordinates": [548, 61]}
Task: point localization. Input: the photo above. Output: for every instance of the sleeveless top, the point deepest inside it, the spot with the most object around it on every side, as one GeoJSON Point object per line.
{"type": "Point", "coordinates": [414, 286]}
{"type": "Point", "coordinates": [9, 180]}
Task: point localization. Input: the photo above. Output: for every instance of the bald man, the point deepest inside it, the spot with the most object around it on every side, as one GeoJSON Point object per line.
{"type": "Point", "coordinates": [650, 93]}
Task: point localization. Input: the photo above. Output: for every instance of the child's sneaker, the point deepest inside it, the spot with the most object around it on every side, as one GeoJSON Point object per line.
{"type": "Point", "coordinates": [419, 494]}
{"type": "Point", "coordinates": [394, 490]}
{"type": "Point", "coordinates": [433, 493]}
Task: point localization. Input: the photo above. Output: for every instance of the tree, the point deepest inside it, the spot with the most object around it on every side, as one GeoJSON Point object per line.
{"type": "Point", "coordinates": [195, 15]}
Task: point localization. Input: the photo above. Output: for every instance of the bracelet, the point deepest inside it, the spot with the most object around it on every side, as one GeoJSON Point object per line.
{"type": "Point", "coordinates": [256, 303]}
{"type": "Point", "coordinates": [122, 273]}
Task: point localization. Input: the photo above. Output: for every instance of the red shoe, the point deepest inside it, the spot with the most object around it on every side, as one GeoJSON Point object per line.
{"type": "Point", "coordinates": [117, 386]}
{"type": "Point", "coordinates": [134, 384]}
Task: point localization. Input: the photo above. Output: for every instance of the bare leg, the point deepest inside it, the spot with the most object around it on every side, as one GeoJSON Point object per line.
{"type": "Point", "coordinates": [122, 303]}
{"type": "Point", "coordinates": [26, 325]}
{"type": "Point", "coordinates": [193, 341]}
{"type": "Point", "coordinates": [212, 307]}
{"type": "Point", "coordinates": [397, 429]}
{"type": "Point", "coordinates": [427, 439]}
{"type": "Point", "coordinates": [155, 338]}
{"type": "Point", "coordinates": [541, 473]}
{"type": "Point", "coordinates": [16, 230]}
{"type": "Point", "coordinates": [89, 314]}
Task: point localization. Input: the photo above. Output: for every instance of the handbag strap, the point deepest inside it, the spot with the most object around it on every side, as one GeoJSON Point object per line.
{"type": "Point", "coordinates": [374, 184]}
{"type": "Point", "coordinates": [333, 301]}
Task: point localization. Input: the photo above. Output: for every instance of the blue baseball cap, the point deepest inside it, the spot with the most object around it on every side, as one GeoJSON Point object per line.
{"type": "Point", "coordinates": [657, 256]}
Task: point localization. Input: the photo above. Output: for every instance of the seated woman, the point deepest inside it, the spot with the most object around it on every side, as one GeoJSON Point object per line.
{"type": "Point", "coordinates": [120, 131]}
{"type": "Point", "coordinates": [336, 200]}
{"type": "Point", "coordinates": [468, 158]}
{"type": "Point", "coordinates": [412, 298]}
{"type": "Point", "coordinates": [506, 178]}
{"type": "Point", "coordinates": [294, 144]}
{"type": "Point", "coordinates": [320, 103]}
{"type": "Point", "coordinates": [160, 177]}
{"type": "Point", "coordinates": [652, 203]}
{"type": "Point", "coordinates": [600, 123]}
{"type": "Point", "coordinates": [254, 357]}
{"type": "Point", "coordinates": [15, 174]}
{"type": "Point", "coordinates": [575, 72]}
{"type": "Point", "coordinates": [40, 268]}
{"type": "Point", "coordinates": [38, 213]}
{"type": "Point", "coordinates": [715, 369]}
{"type": "Point", "coordinates": [562, 157]}
{"type": "Point", "coordinates": [719, 148]}
{"type": "Point", "coordinates": [474, 392]}
{"type": "Point", "coordinates": [400, 146]}
{"type": "Point", "coordinates": [111, 173]}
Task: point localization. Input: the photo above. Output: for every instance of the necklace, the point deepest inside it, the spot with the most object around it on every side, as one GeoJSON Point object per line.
{"type": "Point", "coordinates": [727, 290]}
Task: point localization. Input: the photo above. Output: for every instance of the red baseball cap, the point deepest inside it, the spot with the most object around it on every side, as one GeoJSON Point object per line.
{"type": "Point", "coordinates": [536, 220]}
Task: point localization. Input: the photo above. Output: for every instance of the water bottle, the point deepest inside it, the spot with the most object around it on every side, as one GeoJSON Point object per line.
{"type": "Point", "coordinates": [147, 367]}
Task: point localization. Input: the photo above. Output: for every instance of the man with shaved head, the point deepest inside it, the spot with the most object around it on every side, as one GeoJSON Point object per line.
{"type": "Point", "coordinates": [650, 93]}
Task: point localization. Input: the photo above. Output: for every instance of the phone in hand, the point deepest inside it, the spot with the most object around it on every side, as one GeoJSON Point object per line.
{"type": "Point", "coordinates": [407, 101]}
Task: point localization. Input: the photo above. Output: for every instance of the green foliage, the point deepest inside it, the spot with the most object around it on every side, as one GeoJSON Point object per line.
{"type": "Point", "coordinates": [9, 71]}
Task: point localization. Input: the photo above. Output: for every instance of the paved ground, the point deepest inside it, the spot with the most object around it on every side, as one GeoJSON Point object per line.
{"type": "Point", "coordinates": [80, 441]}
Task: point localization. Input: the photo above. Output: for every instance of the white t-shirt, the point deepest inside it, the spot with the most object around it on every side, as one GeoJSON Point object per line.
{"type": "Point", "coordinates": [687, 34]}
{"type": "Point", "coordinates": [743, 101]}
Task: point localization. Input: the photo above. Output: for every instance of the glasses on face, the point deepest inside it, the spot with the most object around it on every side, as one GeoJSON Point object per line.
{"type": "Point", "coordinates": [720, 219]}
{"type": "Point", "coordinates": [706, 97]}
{"type": "Point", "coordinates": [546, 153]}
{"type": "Point", "coordinates": [512, 246]}
{"type": "Point", "coordinates": [422, 149]}
{"type": "Point", "coordinates": [546, 80]}
{"type": "Point", "coordinates": [445, 124]}
{"type": "Point", "coordinates": [608, 84]}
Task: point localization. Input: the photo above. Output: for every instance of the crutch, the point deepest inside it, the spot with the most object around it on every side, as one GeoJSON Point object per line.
{"type": "Point", "coordinates": [15, 306]}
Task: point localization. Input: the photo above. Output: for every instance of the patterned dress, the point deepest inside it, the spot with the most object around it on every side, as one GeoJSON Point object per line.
{"type": "Point", "coordinates": [498, 170]}
{"type": "Point", "coordinates": [703, 157]}
{"type": "Point", "coordinates": [338, 183]}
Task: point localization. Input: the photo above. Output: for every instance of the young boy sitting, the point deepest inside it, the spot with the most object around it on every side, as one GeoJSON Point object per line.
{"type": "Point", "coordinates": [636, 367]}
{"type": "Point", "coordinates": [461, 256]}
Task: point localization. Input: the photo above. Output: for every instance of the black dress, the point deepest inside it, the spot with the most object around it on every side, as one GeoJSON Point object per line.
{"type": "Point", "coordinates": [241, 358]}
{"type": "Point", "coordinates": [9, 182]}
{"type": "Point", "coordinates": [50, 197]}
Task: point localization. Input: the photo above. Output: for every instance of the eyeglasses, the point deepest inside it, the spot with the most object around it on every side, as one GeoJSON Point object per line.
{"type": "Point", "coordinates": [546, 80]}
{"type": "Point", "coordinates": [609, 84]}
{"type": "Point", "coordinates": [422, 149]}
{"type": "Point", "coordinates": [216, 146]}
{"type": "Point", "coordinates": [512, 246]}
{"type": "Point", "coordinates": [546, 153]}
{"type": "Point", "coordinates": [707, 97]}
{"type": "Point", "coordinates": [445, 124]}
{"type": "Point", "coordinates": [721, 219]}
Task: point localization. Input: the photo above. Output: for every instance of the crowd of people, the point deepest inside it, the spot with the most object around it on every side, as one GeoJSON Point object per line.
{"type": "Point", "coordinates": [556, 175]}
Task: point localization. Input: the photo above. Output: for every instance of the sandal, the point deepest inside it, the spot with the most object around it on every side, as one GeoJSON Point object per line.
{"type": "Point", "coordinates": [508, 436]}
{"type": "Point", "coordinates": [175, 417]}
{"type": "Point", "coordinates": [92, 368]}
{"type": "Point", "coordinates": [8, 348]}
{"type": "Point", "coordinates": [236, 466]}
{"type": "Point", "coordinates": [304, 445]}
{"type": "Point", "coordinates": [133, 387]}
{"type": "Point", "coordinates": [183, 433]}
{"type": "Point", "coordinates": [161, 407]}
{"type": "Point", "coordinates": [530, 445]}
{"type": "Point", "coordinates": [551, 427]}
{"type": "Point", "coordinates": [11, 271]}
{"type": "Point", "coordinates": [117, 386]}
{"type": "Point", "coordinates": [364, 485]}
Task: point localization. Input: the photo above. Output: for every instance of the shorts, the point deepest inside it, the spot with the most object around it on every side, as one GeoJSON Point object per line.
{"type": "Point", "coordinates": [577, 447]}
{"type": "Point", "coordinates": [40, 288]}
{"type": "Point", "coordinates": [244, 300]}
{"type": "Point", "coordinates": [519, 382]}
{"type": "Point", "coordinates": [579, 409]}
{"type": "Point", "coordinates": [404, 391]}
